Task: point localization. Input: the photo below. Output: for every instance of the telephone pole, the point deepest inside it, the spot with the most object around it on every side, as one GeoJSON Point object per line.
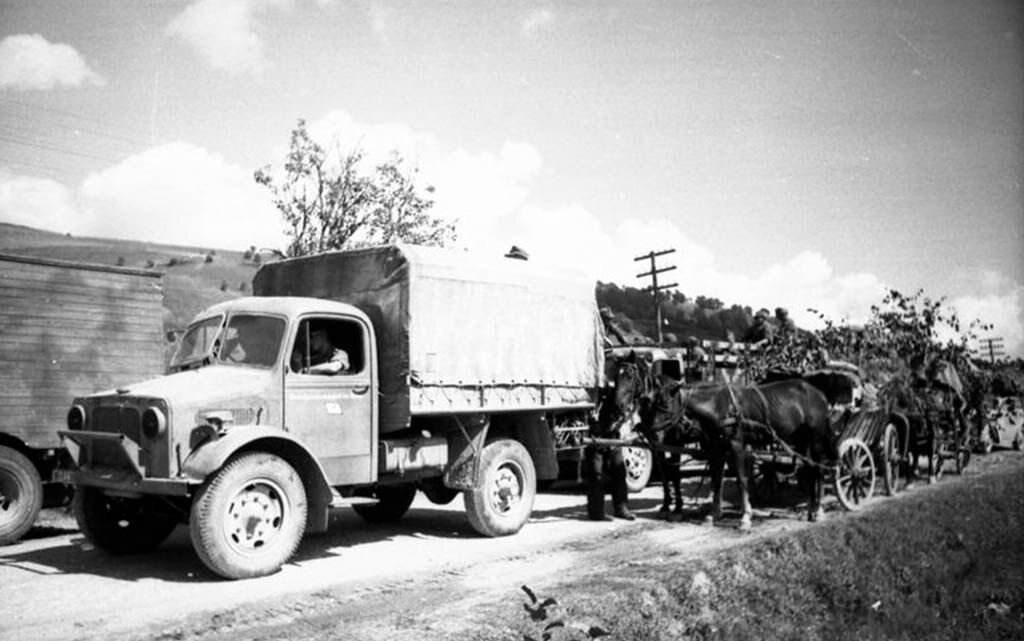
{"type": "Point", "coordinates": [654, 287]}
{"type": "Point", "coordinates": [993, 347]}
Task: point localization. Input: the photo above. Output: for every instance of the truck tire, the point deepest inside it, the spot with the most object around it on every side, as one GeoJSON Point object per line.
{"type": "Point", "coordinates": [21, 494]}
{"type": "Point", "coordinates": [118, 525]}
{"type": "Point", "coordinates": [248, 518]}
{"type": "Point", "coordinates": [639, 465]}
{"type": "Point", "coordinates": [393, 502]}
{"type": "Point", "coordinates": [502, 500]}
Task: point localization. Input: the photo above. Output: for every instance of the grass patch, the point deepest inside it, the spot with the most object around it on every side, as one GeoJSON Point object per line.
{"type": "Point", "coordinates": [945, 562]}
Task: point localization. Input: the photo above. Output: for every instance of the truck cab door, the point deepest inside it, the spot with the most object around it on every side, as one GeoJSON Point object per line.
{"type": "Point", "coordinates": [333, 413]}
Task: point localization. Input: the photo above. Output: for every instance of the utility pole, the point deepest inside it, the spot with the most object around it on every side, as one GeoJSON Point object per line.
{"type": "Point", "coordinates": [654, 287]}
{"type": "Point", "coordinates": [994, 347]}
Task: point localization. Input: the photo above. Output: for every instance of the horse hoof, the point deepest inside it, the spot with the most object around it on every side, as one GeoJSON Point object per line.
{"type": "Point", "coordinates": [816, 517]}
{"type": "Point", "coordinates": [709, 520]}
{"type": "Point", "coordinates": [932, 480]}
{"type": "Point", "coordinates": [745, 525]}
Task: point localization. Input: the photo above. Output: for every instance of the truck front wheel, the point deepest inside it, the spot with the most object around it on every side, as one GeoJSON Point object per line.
{"type": "Point", "coordinates": [21, 494]}
{"type": "Point", "coordinates": [248, 519]}
{"type": "Point", "coordinates": [503, 497]}
{"type": "Point", "coordinates": [119, 525]}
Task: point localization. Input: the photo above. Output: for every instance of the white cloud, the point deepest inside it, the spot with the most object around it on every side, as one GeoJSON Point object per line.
{"type": "Point", "coordinates": [31, 62]}
{"type": "Point", "coordinates": [179, 193]}
{"type": "Point", "coordinates": [537, 21]}
{"type": "Point", "coordinates": [1003, 308]}
{"type": "Point", "coordinates": [224, 32]}
{"type": "Point", "coordinates": [476, 188]}
{"type": "Point", "coordinates": [41, 203]}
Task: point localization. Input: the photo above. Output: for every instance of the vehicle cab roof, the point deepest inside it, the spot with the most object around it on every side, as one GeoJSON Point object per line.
{"type": "Point", "coordinates": [289, 306]}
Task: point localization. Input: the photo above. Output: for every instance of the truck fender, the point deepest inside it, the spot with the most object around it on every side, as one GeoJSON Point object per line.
{"type": "Point", "coordinates": [212, 455]}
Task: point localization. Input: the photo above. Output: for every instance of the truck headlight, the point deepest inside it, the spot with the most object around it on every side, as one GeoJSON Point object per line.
{"type": "Point", "coordinates": [154, 422]}
{"type": "Point", "coordinates": [76, 417]}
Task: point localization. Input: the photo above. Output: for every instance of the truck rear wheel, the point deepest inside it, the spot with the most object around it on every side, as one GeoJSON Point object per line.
{"type": "Point", "coordinates": [119, 525]}
{"type": "Point", "coordinates": [248, 519]}
{"type": "Point", "coordinates": [503, 497]}
{"type": "Point", "coordinates": [21, 494]}
{"type": "Point", "coordinates": [393, 502]}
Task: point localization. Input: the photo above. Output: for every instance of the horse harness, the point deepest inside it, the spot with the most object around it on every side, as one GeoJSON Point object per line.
{"type": "Point", "coordinates": [735, 417]}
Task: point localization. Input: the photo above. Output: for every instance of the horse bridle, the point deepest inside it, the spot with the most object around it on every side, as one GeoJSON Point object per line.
{"type": "Point", "coordinates": [639, 380]}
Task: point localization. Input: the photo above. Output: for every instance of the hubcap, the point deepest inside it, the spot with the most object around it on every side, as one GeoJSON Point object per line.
{"type": "Point", "coordinates": [255, 516]}
{"type": "Point", "coordinates": [635, 461]}
{"type": "Point", "coordinates": [507, 488]}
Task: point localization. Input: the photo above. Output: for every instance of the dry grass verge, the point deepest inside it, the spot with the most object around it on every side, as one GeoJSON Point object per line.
{"type": "Point", "coordinates": [944, 562]}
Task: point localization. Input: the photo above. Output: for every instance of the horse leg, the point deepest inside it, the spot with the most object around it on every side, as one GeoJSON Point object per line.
{"type": "Point", "coordinates": [739, 463]}
{"type": "Point", "coordinates": [677, 488]}
{"type": "Point", "coordinates": [815, 510]}
{"type": "Point", "coordinates": [716, 463]}
{"type": "Point", "coordinates": [666, 488]}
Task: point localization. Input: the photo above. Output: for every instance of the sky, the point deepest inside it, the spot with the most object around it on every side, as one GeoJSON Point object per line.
{"type": "Point", "coordinates": [809, 154]}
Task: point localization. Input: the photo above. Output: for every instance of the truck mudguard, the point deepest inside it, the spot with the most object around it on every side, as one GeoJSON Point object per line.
{"type": "Point", "coordinates": [212, 455]}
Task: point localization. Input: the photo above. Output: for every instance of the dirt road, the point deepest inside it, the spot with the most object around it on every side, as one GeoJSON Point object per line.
{"type": "Point", "coordinates": [425, 575]}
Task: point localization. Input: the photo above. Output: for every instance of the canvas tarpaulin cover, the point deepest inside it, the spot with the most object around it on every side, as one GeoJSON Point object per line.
{"type": "Point", "coordinates": [459, 331]}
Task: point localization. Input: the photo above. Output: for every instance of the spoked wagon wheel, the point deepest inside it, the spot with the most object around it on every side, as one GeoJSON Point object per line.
{"type": "Point", "coordinates": [855, 478]}
{"type": "Point", "coordinates": [890, 459]}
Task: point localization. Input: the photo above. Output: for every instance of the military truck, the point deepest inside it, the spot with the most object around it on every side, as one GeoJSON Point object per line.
{"type": "Point", "coordinates": [459, 369]}
{"type": "Point", "coordinates": [65, 329]}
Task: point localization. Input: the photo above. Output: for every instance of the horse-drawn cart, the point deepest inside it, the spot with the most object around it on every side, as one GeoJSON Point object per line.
{"type": "Point", "coordinates": [872, 442]}
{"type": "Point", "coordinates": [934, 405]}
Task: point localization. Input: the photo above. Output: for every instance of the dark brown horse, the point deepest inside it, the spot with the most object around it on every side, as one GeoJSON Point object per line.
{"type": "Point", "coordinates": [634, 393]}
{"type": "Point", "coordinates": [791, 415]}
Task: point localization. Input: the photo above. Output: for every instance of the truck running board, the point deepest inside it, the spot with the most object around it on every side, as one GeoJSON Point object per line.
{"type": "Point", "coordinates": [347, 501]}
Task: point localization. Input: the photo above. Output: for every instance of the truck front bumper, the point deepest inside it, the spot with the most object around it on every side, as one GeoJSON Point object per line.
{"type": "Point", "coordinates": [122, 482]}
{"type": "Point", "coordinates": [119, 471]}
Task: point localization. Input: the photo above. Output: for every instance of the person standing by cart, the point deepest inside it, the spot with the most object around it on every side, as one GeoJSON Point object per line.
{"type": "Point", "coordinates": [604, 466]}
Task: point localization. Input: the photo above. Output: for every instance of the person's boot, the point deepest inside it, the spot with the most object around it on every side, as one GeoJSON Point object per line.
{"type": "Point", "coordinates": [622, 512]}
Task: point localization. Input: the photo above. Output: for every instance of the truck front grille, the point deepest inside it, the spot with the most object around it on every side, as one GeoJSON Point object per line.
{"type": "Point", "coordinates": [118, 420]}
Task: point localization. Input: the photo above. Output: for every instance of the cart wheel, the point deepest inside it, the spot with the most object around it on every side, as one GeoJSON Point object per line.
{"type": "Point", "coordinates": [890, 459]}
{"type": "Point", "coordinates": [855, 478]}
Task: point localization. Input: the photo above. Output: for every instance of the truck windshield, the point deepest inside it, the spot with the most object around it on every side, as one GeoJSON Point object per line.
{"type": "Point", "coordinates": [249, 339]}
{"type": "Point", "coordinates": [197, 343]}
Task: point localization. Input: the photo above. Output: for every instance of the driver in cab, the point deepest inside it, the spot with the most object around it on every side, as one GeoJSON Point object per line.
{"type": "Point", "coordinates": [323, 357]}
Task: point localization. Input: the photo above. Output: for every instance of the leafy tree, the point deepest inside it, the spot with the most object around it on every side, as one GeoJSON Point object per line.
{"type": "Point", "coordinates": [332, 204]}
